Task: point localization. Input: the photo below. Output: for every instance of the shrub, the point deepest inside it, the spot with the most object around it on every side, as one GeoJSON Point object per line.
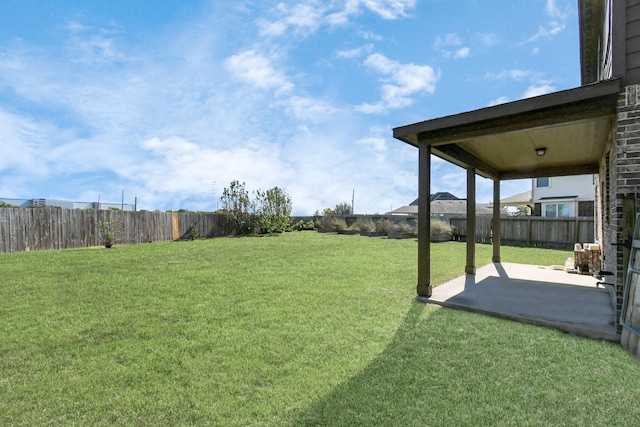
{"type": "Point", "coordinates": [366, 226]}
{"type": "Point", "coordinates": [339, 224]}
{"type": "Point", "coordinates": [383, 226]}
{"type": "Point", "coordinates": [324, 223]}
{"type": "Point", "coordinates": [440, 230]}
{"type": "Point", "coordinates": [273, 210]}
{"type": "Point", "coordinates": [406, 228]}
{"type": "Point", "coordinates": [110, 231]}
{"type": "Point", "coordinates": [301, 225]}
{"type": "Point", "coordinates": [193, 233]}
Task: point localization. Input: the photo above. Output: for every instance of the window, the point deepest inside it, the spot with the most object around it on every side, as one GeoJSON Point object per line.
{"type": "Point", "coordinates": [557, 210]}
{"type": "Point", "coordinates": [542, 182]}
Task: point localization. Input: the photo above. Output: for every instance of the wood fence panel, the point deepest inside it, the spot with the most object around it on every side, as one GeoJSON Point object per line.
{"type": "Point", "coordinates": [515, 231]}
{"type": "Point", "coordinates": [5, 232]}
{"type": "Point", "coordinates": [559, 233]}
{"type": "Point", "coordinates": [54, 228]}
{"type": "Point", "coordinates": [484, 226]}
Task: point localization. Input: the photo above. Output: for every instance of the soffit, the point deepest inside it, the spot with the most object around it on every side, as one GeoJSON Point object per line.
{"type": "Point", "coordinates": [500, 142]}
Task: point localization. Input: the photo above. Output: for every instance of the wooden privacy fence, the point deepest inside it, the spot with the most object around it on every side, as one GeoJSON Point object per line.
{"type": "Point", "coordinates": [54, 228]}
{"type": "Point", "coordinates": [557, 233]}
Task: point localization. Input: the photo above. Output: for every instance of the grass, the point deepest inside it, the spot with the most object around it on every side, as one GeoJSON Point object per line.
{"type": "Point", "coordinates": [304, 329]}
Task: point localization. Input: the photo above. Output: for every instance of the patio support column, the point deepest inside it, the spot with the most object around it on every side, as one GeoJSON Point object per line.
{"type": "Point", "coordinates": [424, 214]}
{"type": "Point", "coordinates": [495, 232]}
{"type": "Point", "coordinates": [471, 221]}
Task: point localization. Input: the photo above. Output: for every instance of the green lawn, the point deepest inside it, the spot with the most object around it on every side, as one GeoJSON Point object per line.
{"type": "Point", "coordinates": [299, 329]}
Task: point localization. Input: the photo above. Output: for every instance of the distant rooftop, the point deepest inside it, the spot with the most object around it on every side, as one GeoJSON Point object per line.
{"type": "Point", "coordinates": [438, 196]}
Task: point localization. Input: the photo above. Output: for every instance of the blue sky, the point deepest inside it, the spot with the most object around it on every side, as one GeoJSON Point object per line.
{"type": "Point", "coordinates": [169, 101]}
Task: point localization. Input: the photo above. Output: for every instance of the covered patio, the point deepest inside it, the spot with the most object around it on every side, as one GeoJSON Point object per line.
{"type": "Point", "coordinates": [558, 134]}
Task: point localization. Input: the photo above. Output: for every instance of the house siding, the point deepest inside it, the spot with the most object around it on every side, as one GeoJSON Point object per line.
{"type": "Point", "coordinates": [578, 191]}
{"type": "Point", "coordinates": [581, 186]}
{"type": "Point", "coordinates": [632, 57]}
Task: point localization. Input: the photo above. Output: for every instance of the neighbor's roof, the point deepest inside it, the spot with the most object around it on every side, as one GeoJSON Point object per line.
{"type": "Point", "coordinates": [441, 195]}
{"type": "Point", "coordinates": [517, 199]}
{"type": "Point", "coordinates": [445, 207]}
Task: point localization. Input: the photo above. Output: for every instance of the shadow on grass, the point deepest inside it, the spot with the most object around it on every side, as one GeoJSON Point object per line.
{"type": "Point", "coordinates": [372, 396]}
{"type": "Point", "coordinates": [448, 367]}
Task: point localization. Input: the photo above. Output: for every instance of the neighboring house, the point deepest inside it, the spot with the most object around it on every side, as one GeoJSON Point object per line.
{"type": "Point", "coordinates": [589, 129]}
{"type": "Point", "coordinates": [66, 204]}
{"type": "Point", "coordinates": [520, 200]}
{"type": "Point", "coordinates": [558, 197]}
{"type": "Point", "coordinates": [564, 196]}
{"type": "Point", "coordinates": [444, 205]}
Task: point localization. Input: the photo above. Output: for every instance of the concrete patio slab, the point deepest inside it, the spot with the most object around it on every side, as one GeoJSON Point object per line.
{"type": "Point", "coordinates": [532, 294]}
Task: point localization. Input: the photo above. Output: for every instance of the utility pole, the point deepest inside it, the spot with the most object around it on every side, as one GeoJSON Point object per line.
{"type": "Point", "coordinates": [353, 197]}
{"type": "Point", "coordinates": [213, 183]}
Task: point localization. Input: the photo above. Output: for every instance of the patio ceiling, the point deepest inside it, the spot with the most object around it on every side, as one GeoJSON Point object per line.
{"type": "Point", "coordinates": [500, 142]}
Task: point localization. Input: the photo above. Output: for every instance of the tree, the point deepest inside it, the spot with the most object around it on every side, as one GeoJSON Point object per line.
{"type": "Point", "coordinates": [343, 208]}
{"type": "Point", "coordinates": [236, 203]}
{"type": "Point", "coordinates": [273, 210]}
{"type": "Point", "coordinates": [521, 211]}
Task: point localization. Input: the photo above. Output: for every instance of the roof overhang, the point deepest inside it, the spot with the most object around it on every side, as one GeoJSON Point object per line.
{"type": "Point", "coordinates": [500, 142]}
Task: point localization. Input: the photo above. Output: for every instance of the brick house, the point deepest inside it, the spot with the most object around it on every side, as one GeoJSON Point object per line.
{"type": "Point", "coordinates": [591, 129]}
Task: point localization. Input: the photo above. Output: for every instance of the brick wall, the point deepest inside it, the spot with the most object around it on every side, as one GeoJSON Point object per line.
{"type": "Point", "coordinates": [585, 208]}
{"type": "Point", "coordinates": [619, 188]}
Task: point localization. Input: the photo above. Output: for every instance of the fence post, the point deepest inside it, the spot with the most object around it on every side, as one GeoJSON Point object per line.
{"type": "Point", "coordinates": [175, 226]}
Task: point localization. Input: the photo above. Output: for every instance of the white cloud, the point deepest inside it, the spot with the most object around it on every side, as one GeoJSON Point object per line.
{"type": "Point", "coordinates": [556, 11]}
{"type": "Point", "coordinates": [256, 69]}
{"type": "Point", "coordinates": [450, 46]}
{"type": "Point", "coordinates": [389, 9]}
{"type": "Point", "coordinates": [375, 143]}
{"type": "Point", "coordinates": [487, 39]}
{"type": "Point", "coordinates": [21, 140]}
{"type": "Point", "coordinates": [306, 18]}
{"type": "Point", "coordinates": [368, 35]}
{"type": "Point", "coordinates": [537, 90]}
{"type": "Point", "coordinates": [303, 18]}
{"type": "Point", "coordinates": [461, 53]}
{"type": "Point", "coordinates": [400, 82]}
{"type": "Point", "coordinates": [451, 39]}
{"type": "Point", "coordinates": [558, 15]}
{"type": "Point", "coordinates": [172, 169]}
{"type": "Point", "coordinates": [498, 101]}
{"type": "Point", "coordinates": [355, 52]}
{"type": "Point", "coordinates": [538, 84]}
{"type": "Point", "coordinates": [308, 109]}
{"type": "Point", "coordinates": [514, 74]}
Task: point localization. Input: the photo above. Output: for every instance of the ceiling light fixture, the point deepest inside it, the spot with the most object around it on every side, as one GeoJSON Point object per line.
{"type": "Point", "coordinates": [541, 151]}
